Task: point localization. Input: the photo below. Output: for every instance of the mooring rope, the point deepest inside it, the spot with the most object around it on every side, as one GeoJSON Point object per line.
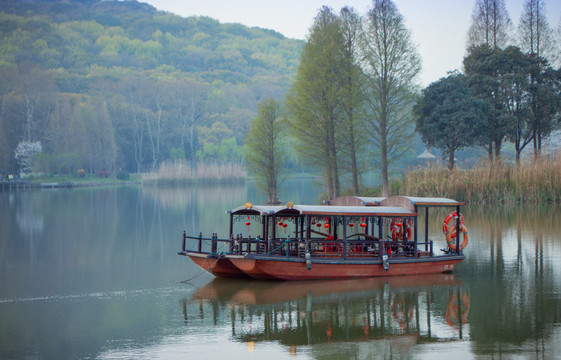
{"type": "Point", "coordinates": [202, 269]}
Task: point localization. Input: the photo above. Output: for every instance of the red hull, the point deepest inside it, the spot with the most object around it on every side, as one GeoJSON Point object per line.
{"type": "Point", "coordinates": [249, 267]}
{"type": "Point", "coordinates": [271, 269]}
{"type": "Point", "coordinates": [221, 267]}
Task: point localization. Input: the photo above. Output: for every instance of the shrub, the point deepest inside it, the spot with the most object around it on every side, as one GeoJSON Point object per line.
{"type": "Point", "coordinates": [122, 175]}
{"type": "Point", "coordinates": [81, 173]}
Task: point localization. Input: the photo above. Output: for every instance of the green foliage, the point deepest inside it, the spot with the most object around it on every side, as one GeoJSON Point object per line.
{"type": "Point", "coordinates": [314, 100]}
{"type": "Point", "coordinates": [177, 154]}
{"type": "Point", "coordinates": [115, 66]}
{"type": "Point", "coordinates": [449, 115]}
{"type": "Point", "coordinates": [122, 175]}
{"type": "Point", "coordinates": [227, 151]}
{"type": "Point", "coordinates": [264, 151]}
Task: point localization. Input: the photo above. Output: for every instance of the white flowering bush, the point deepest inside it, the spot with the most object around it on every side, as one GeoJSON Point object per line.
{"type": "Point", "coordinates": [24, 154]}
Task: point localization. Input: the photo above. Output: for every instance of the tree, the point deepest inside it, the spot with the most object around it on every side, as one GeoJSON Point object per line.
{"type": "Point", "coordinates": [35, 88]}
{"type": "Point", "coordinates": [515, 95]}
{"type": "Point", "coordinates": [482, 68]}
{"type": "Point", "coordinates": [545, 92]}
{"type": "Point", "coordinates": [314, 101]}
{"type": "Point", "coordinates": [265, 155]}
{"type": "Point", "coordinates": [534, 34]}
{"type": "Point", "coordinates": [390, 63]}
{"type": "Point", "coordinates": [449, 115]}
{"type": "Point", "coordinates": [351, 92]}
{"type": "Point", "coordinates": [490, 24]}
{"type": "Point", "coordinates": [189, 108]}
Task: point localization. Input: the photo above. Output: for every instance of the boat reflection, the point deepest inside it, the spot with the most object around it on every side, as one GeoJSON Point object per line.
{"type": "Point", "coordinates": [398, 311]}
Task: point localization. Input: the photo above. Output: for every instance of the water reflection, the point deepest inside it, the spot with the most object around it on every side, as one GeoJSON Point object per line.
{"type": "Point", "coordinates": [100, 265]}
{"type": "Point", "coordinates": [391, 313]}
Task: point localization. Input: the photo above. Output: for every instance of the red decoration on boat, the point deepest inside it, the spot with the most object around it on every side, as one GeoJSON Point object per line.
{"type": "Point", "coordinates": [280, 223]}
{"type": "Point", "coordinates": [326, 226]}
{"type": "Point", "coordinates": [318, 224]}
{"type": "Point", "coordinates": [284, 225]}
{"type": "Point", "coordinates": [351, 225]}
{"type": "Point", "coordinates": [362, 225]}
{"type": "Point", "coordinates": [247, 223]}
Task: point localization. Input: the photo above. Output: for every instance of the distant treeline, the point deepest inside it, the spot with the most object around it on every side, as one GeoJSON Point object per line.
{"type": "Point", "coordinates": [106, 85]}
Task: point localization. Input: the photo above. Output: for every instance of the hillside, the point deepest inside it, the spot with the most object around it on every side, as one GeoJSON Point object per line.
{"type": "Point", "coordinates": [118, 84]}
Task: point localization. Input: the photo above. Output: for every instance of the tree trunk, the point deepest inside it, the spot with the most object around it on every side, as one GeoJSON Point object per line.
{"type": "Point", "coordinates": [498, 146]}
{"type": "Point", "coordinates": [451, 159]}
{"type": "Point", "coordinates": [385, 181]}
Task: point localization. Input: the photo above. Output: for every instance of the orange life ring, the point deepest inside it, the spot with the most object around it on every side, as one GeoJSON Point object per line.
{"type": "Point", "coordinates": [452, 215]}
{"type": "Point", "coordinates": [451, 235]}
{"type": "Point", "coordinates": [396, 229]}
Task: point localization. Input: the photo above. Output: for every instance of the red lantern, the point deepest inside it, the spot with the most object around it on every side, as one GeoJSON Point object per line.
{"type": "Point", "coordinates": [280, 223]}
{"type": "Point", "coordinates": [318, 225]}
{"type": "Point", "coordinates": [284, 225]}
{"type": "Point", "coordinates": [363, 225]}
{"type": "Point", "coordinates": [326, 226]}
{"type": "Point", "coordinates": [247, 223]}
{"type": "Point", "coordinates": [351, 225]}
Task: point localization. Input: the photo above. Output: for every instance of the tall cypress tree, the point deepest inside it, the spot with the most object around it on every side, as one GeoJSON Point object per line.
{"type": "Point", "coordinates": [314, 101]}
{"type": "Point", "coordinates": [265, 155]}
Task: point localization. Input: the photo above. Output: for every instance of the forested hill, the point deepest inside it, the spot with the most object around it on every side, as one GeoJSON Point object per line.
{"type": "Point", "coordinates": [118, 84]}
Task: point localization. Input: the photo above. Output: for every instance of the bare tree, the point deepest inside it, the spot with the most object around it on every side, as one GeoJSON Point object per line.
{"type": "Point", "coordinates": [35, 88]}
{"type": "Point", "coordinates": [391, 64]}
{"type": "Point", "coordinates": [534, 34]}
{"type": "Point", "coordinates": [189, 108]}
{"type": "Point", "coordinates": [490, 24]}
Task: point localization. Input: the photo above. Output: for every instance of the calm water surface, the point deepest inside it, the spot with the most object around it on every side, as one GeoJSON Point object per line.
{"type": "Point", "coordinates": [93, 274]}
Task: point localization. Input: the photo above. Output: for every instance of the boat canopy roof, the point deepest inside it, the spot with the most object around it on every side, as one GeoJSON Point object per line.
{"type": "Point", "coordinates": [398, 206]}
{"type": "Point", "coordinates": [256, 210]}
{"type": "Point", "coordinates": [324, 210]}
{"type": "Point", "coordinates": [356, 201]}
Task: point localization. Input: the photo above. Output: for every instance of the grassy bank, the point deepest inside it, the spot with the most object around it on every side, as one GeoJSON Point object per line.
{"type": "Point", "coordinates": [203, 173]}
{"type": "Point", "coordinates": [531, 182]}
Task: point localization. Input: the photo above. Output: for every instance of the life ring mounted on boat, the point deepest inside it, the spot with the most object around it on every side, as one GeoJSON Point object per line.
{"type": "Point", "coordinates": [451, 237]}
{"type": "Point", "coordinates": [452, 215]}
{"type": "Point", "coordinates": [396, 228]}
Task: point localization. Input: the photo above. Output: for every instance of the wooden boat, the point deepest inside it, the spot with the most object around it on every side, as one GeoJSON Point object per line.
{"type": "Point", "coordinates": [350, 238]}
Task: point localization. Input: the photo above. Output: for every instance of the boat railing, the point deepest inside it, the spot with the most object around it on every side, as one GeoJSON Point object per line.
{"type": "Point", "coordinates": [318, 247]}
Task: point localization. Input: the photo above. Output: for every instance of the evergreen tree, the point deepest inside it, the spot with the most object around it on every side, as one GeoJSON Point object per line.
{"type": "Point", "coordinates": [449, 115]}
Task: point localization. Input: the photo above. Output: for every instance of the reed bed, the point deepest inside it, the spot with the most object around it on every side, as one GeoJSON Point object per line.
{"type": "Point", "coordinates": [182, 173]}
{"type": "Point", "coordinates": [530, 182]}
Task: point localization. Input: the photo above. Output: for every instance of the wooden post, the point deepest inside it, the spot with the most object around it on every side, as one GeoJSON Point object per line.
{"type": "Point", "coordinates": [184, 239]}
{"type": "Point", "coordinates": [458, 222]}
{"type": "Point", "coordinates": [345, 237]}
{"type": "Point", "coordinates": [200, 242]}
{"type": "Point", "coordinates": [427, 228]}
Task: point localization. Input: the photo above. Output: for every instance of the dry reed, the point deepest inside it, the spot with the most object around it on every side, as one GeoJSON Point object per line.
{"type": "Point", "coordinates": [182, 173]}
{"type": "Point", "coordinates": [530, 182]}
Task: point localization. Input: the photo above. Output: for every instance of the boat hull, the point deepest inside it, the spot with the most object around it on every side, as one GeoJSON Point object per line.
{"type": "Point", "coordinates": [296, 269]}
{"type": "Point", "coordinates": [217, 266]}
{"type": "Point", "coordinates": [250, 268]}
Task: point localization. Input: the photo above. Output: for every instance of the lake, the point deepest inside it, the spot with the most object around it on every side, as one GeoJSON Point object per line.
{"type": "Point", "coordinates": [93, 273]}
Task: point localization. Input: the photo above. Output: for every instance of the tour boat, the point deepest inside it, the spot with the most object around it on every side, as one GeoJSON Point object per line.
{"type": "Point", "coordinates": [351, 237]}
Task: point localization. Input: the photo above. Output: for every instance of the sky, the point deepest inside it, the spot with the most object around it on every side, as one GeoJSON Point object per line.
{"type": "Point", "coordinates": [438, 27]}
